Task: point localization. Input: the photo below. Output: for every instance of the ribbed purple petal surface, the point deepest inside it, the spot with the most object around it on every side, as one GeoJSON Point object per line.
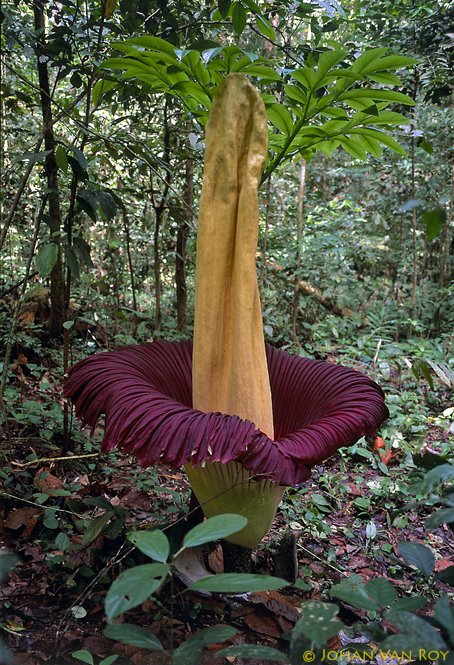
{"type": "Point", "coordinates": [146, 393]}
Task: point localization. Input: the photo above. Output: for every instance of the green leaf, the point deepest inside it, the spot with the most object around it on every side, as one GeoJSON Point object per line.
{"type": "Point", "coordinates": [415, 634]}
{"type": "Point", "coordinates": [354, 594]}
{"type": "Point", "coordinates": [354, 148]}
{"type": "Point", "coordinates": [318, 622]}
{"type": "Point", "coordinates": [255, 651]}
{"type": "Point", "coordinates": [80, 157]}
{"type": "Point", "coordinates": [238, 17]}
{"type": "Point", "coordinates": [281, 118]}
{"type": "Point", "coordinates": [326, 61]}
{"type": "Point", "coordinates": [434, 220]}
{"type": "Point", "coordinates": [153, 43]}
{"type": "Point", "coordinates": [265, 27]}
{"type": "Point", "coordinates": [61, 158]}
{"type": "Point", "coordinates": [62, 541]}
{"type": "Point", "coordinates": [190, 651]}
{"type": "Point", "coordinates": [260, 71]}
{"type": "Point", "coordinates": [410, 604]}
{"type": "Point", "coordinates": [96, 527]}
{"type": "Point", "coordinates": [444, 614]}
{"type": "Point", "coordinates": [46, 259]}
{"type": "Point", "coordinates": [238, 583]}
{"type": "Point", "coordinates": [128, 633]}
{"type": "Point", "coordinates": [133, 587]}
{"type": "Point", "coordinates": [305, 76]}
{"type": "Point", "coordinates": [100, 88]}
{"type": "Point", "coordinates": [83, 655]}
{"type": "Point", "coordinates": [33, 157]}
{"type": "Point", "coordinates": [418, 555]}
{"type": "Point", "coordinates": [154, 544]}
{"type": "Point", "coordinates": [375, 93]}
{"type": "Point", "coordinates": [7, 563]}
{"type": "Point", "coordinates": [72, 262]}
{"type": "Point", "coordinates": [367, 58]}
{"type": "Point", "coordinates": [223, 7]}
{"type": "Point", "coordinates": [446, 575]}
{"type": "Point", "coordinates": [381, 591]}
{"type": "Point", "coordinates": [388, 62]}
{"type": "Point", "coordinates": [439, 517]}
{"type": "Point", "coordinates": [382, 137]}
{"type": "Point", "coordinates": [440, 474]}
{"type": "Point", "coordinates": [109, 660]}
{"type": "Point", "coordinates": [295, 92]}
{"type": "Point", "coordinates": [214, 528]}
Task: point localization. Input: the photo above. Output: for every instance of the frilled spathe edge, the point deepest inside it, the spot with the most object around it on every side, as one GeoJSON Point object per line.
{"type": "Point", "coordinates": [145, 392]}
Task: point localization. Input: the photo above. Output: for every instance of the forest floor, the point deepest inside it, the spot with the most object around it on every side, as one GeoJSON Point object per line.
{"type": "Point", "coordinates": [63, 520]}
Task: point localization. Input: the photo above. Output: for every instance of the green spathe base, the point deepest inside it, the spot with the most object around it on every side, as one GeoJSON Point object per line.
{"type": "Point", "coordinates": [229, 488]}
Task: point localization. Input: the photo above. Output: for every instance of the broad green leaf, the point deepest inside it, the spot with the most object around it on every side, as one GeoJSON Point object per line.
{"type": "Point", "coordinates": [154, 544]}
{"type": "Point", "coordinates": [109, 660]}
{"type": "Point", "coordinates": [327, 61]}
{"type": "Point", "coordinates": [46, 259]}
{"type": "Point", "coordinates": [374, 93]}
{"type": "Point", "coordinates": [96, 527]}
{"type": "Point", "coordinates": [434, 220]}
{"type": "Point", "coordinates": [265, 27]}
{"type": "Point", "coordinates": [7, 563]}
{"type": "Point", "coordinates": [388, 62]}
{"type": "Point", "coordinates": [318, 622]}
{"type": "Point", "coordinates": [79, 155]}
{"type": "Point", "coordinates": [133, 587]}
{"type": "Point", "coordinates": [439, 474]}
{"type": "Point", "coordinates": [128, 633]}
{"type": "Point", "coordinates": [100, 88]}
{"type": "Point", "coordinates": [83, 655]}
{"type": "Point", "coordinates": [238, 17]}
{"type": "Point", "coordinates": [385, 78]}
{"type": "Point", "coordinates": [214, 528]}
{"type": "Point", "coordinates": [223, 7]}
{"type": "Point", "coordinates": [254, 651]}
{"type": "Point", "coordinates": [382, 591]}
{"type": "Point", "coordinates": [280, 118]}
{"type": "Point", "coordinates": [33, 157]}
{"type": "Point", "coordinates": [367, 58]}
{"type": "Point", "coordinates": [415, 633]}
{"type": "Point", "coordinates": [382, 137]}
{"type": "Point", "coordinates": [355, 595]}
{"type": "Point", "coordinates": [353, 147]}
{"type": "Point", "coordinates": [238, 583]}
{"type": "Point", "coordinates": [418, 555]}
{"type": "Point", "coordinates": [189, 652]}
{"type": "Point", "coordinates": [61, 158]}
{"type": "Point", "coordinates": [72, 262]}
{"type": "Point", "coordinates": [444, 614]}
{"type": "Point", "coordinates": [260, 71]}
{"type": "Point", "coordinates": [194, 90]}
{"type": "Point", "coordinates": [305, 76]}
{"type": "Point", "coordinates": [439, 517]}
{"type": "Point", "coordinates": [153, 43]}
{"type": "Point", "coordinates": [410, 604]}
{"type": "Point", "coordinates": [296, 93]}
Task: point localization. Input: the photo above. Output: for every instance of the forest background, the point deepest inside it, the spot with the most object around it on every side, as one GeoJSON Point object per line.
{"type": "Point", "coordinates": [101, 167]}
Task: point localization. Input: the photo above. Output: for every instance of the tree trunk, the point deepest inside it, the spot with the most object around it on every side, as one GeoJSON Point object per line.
{"type": "Point", "coordinates": [182, 237]}
{"type": "Point", "coordinates": [57, 284]}
{"type": "Point", "coordinates": [299, 238]}
{"type": "Point", "coordinates": [159, 216]}
{"type": "Point", "coordinates": [315, 293]}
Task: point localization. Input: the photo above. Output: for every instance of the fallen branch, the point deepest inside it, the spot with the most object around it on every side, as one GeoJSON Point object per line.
{"type": "Point", "coordinates": [53, 459]}
{"type": "Point", "coordinates": [327, 303]}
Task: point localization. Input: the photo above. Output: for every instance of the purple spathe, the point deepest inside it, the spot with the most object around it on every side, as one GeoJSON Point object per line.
{"type": "Point", "coordinates": [146, 393]}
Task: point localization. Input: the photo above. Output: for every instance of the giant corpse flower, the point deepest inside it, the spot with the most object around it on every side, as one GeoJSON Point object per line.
{"type": "Point", "coordinates": [244, 419]}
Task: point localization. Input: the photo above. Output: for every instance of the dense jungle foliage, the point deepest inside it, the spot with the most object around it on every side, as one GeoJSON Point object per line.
{"type": "Point", "coordinates": [103, 112]}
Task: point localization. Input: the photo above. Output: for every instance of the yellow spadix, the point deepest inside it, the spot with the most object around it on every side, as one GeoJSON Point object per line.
{"type": "Point", "coordinates": [230, 373]}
